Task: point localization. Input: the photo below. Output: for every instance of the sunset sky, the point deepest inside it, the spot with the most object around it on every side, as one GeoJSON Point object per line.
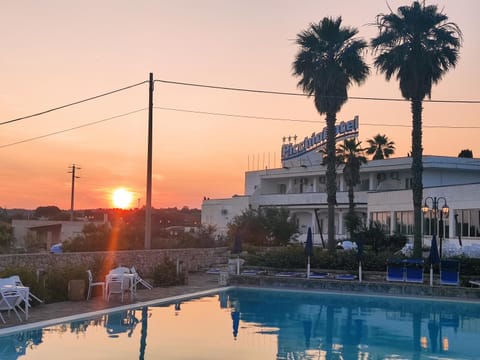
{"type": "Point", "coordinates": [59, 52]}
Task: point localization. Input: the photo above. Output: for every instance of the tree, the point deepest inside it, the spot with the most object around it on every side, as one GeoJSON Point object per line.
{"type": "Point", "coordinates": [466, 153]}
{"type": "Point", "coordinates": [49, 212]}
{"type": "Point", "coordinates": [6, 237]}
{"type": "Point", "coordinates": [328, 63]}
{"type": "Point", "coordinates": [380, 147]}
{"type": "Point", "coordinates": [351, 155]}
{"type": "Point", "coordinates": [265, 226]}
{"type": "Point", "coordinates": [418, 45]}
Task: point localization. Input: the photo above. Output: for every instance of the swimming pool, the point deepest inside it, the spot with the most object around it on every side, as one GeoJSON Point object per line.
{"type": "Point", "coordinates": [246, 323]}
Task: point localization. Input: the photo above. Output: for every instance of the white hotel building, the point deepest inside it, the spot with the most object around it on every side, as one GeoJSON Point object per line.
{"type": "Point", "coordinates": [384, 193]}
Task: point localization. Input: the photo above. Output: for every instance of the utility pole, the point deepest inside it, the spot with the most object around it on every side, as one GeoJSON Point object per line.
{"type": "Point", "coordinates": [72, 197]}
{"type": "Point", "coordinates": [148, 205]}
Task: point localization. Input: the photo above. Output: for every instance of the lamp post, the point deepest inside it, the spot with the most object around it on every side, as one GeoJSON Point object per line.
{"type": "Point", "coordinates": [435, 203]}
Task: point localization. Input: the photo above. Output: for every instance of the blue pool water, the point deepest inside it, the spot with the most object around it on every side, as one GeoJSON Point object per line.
{"type": "Point", "coordinates": [263, 324]}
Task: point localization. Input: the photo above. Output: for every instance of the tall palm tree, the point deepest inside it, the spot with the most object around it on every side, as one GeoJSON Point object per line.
{"type": "Point", "coordinates": [351, 155]}
{"type": "Point", "coordinates": [381, 147]}
{"type": "Point", "coordinates": [418, 45]}
{"type": "Point", "coordinates": [328, 63]}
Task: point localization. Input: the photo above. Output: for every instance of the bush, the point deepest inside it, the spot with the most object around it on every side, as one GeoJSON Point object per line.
{"type": "Point", "coordinates": [293, 257]}
{"type": "Point", "coordinates": [50, 286]}
{"type": "Point", "coordinates": [165, 274]}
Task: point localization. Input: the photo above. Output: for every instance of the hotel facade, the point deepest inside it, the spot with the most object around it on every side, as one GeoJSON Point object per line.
{"type": "Point", "coordinates": [383, 195]}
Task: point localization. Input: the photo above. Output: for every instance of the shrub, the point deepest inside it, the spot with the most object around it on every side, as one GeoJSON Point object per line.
{"type": "Point", "coordinates": [165, 274]}
{"type": "Point", "coordinates": [51, 285]}
{"type": "Point", "coordinates": [293, 257]}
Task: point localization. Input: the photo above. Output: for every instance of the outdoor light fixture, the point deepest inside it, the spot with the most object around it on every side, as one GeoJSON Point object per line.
{"type": "Point", "coordinates": [435, 203]}
{"type": "Point", "coordinates": [435, 207]}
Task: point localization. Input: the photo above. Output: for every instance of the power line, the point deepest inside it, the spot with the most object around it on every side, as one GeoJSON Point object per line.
{"type": "Point", "coordinates": [224, 88]}
{"type": "Point", "coordinates": [301, 94]}
{"type": "Point", "coordinates": [73, 103]}
{"type": "Point", "coordinates": [302, 120]}
{"type": "Point", "coordinates": [234, 115]}
{"type": "Point", "coordinates": [217, 114]}
{"type": "Point", "coordinates": [73, 128]}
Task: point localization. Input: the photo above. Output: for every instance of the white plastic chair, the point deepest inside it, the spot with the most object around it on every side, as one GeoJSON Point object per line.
{"type": "Point", "coordinates": [18, 282]}
{"type": "Point", "coordinates": [10, 299]}
{"type": "Point", "coordinates": [116, 284]}
{"type": "Point", "coordinates": [139, 280]}
{"type": "Point", "coordinates": [92, 284]}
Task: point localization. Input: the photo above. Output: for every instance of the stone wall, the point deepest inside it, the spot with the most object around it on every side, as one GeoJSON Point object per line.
{"type": "Point", "coordinates": [144, 260]}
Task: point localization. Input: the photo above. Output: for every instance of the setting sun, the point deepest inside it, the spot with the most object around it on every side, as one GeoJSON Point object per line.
{"type": "Point", "coordinates": [122, 198]}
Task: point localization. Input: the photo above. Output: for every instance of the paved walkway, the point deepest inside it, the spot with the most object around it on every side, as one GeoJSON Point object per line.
{"type": "Point", "coordinates": [196, 282]}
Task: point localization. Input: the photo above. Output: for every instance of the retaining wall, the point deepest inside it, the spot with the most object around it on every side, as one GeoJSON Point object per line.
{"type": "Point", "coordinates": [144, 260]}
{"type": "Point", "coordinates": [366, 287]}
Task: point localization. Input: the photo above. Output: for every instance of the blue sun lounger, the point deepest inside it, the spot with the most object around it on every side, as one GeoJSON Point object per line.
{"type": "Point", "coordinates": [414, 270]}
{"type": "Point", "coordinates": [449, 272]}
{"type": "Point", "coordinates": [317, 275]}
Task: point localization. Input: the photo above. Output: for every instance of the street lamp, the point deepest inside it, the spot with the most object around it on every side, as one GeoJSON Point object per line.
{"type": "Point", "coordinates": [435, 208]}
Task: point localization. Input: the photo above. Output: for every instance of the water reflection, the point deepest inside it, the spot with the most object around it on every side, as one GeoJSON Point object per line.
{"type": "Point", "coordinates": [292, 325]}
{"type": "Point", "coordinates": [121, 322]}
{"type": "Point", "coordinates": [14, 346]}
{"type": "Point", "coordinates": [326, 326]}
{"type": "Point", "coordinates": [143, 337]}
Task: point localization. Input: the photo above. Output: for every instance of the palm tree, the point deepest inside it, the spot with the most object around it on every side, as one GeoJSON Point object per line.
{"type": "Point", "coordinates": [328, 63]}
{"type": "Point", "coordinates": [381, 147]}
{"type": "Point", "coordinates": [418, 45]}
{"type": "Point", "coordinates": [351, 155]}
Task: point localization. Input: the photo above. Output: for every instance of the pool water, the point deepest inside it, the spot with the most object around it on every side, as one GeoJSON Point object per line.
{"type": "Point", "coordinates": [263, 324]}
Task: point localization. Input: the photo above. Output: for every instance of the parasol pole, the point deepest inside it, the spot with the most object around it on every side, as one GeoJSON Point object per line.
{"type": "Point", "coordinates": [360, 271]}
{"type": "Point", "coordinates": [308, 267]}
{"type": "Point", "coordinates": [431, 275]}
{"type": "Point", "coordinates": [238, 265]}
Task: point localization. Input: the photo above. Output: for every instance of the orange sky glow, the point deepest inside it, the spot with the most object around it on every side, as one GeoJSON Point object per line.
{"type": "Point", "coordinates": [55, 53]}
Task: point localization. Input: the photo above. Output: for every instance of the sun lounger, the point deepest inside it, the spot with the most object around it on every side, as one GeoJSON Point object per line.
{"type": "Point", "coordinates": [321, 275]}
{"type": "Point", "coordinates": [253, 272]}
{"type": "Point", "coordinates": [414, 270]}
{"type": "Point", "coordinates": [288, 274]}
{"type": "Point", "coordinates": [213, 271]}
{"type": "Point", "coordinates": [345, 277]}
{"type": "Point", "coordinates": [474, 282]}
{"type": "Point", "coordinates": [449, 272]}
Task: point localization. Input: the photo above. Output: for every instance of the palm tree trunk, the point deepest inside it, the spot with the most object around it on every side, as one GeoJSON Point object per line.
{"type": "Point", "coordinates": [351, 200]}
{"type": "Point", "coordinates": [417, 170]}
{"type": "Point", "coordinates": [331, 180]}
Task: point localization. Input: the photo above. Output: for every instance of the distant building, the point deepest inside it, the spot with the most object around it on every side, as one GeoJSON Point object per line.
{"type": "Point", "coordinates": [46, 232]}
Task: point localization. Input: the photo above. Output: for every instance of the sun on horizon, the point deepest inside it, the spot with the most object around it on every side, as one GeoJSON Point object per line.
{"type": "Point", "coordinates": [122, 198]}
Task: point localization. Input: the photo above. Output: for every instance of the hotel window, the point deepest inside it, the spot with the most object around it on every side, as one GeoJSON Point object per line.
{"type": "Point", "coordinates": [404, 222]}
{"type": "Point", "coordinates": [408, 183]}
{"type": "Point", "coordinates": [443, 228]}
{"type": "Point", "coordinates": [468, 222]}
{"type": "Point", "coordinates": [383, 218]}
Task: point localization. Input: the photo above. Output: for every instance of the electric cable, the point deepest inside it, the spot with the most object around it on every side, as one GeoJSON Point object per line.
{"type": "Point", "coordinates": [302, 120]}
{"type": "Point", "coordinates": [72, 104]}
{"type": "Point", "coordinates": [302, 94]}
{"type": "Point", "coordinates": [73, 128]}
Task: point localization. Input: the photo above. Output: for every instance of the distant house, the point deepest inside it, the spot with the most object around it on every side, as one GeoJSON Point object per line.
{"type": "Point", "coordinates": [45, 232]}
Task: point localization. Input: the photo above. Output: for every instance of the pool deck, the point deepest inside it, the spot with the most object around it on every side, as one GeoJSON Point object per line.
{"type": "Point", "coordinates": [200, 282]}
{"type": "Point", "coordinates": [41, 312]}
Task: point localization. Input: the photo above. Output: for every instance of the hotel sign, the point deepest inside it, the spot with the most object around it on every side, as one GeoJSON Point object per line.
{"type": "Point", "coordinates": [344, 129]}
